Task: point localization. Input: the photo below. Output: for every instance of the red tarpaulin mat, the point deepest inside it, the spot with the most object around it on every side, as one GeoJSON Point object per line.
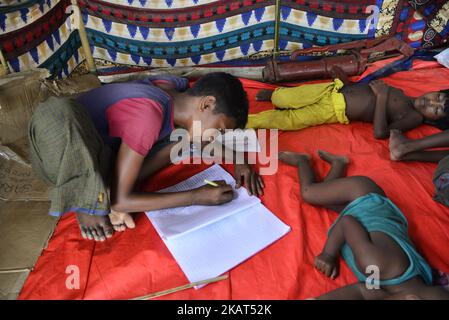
{"type": "Point", "coordinates": [136, 262]}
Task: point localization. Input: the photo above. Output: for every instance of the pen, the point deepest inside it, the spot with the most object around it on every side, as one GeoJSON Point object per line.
{"type": "Point", "coordinates": [213, 184]}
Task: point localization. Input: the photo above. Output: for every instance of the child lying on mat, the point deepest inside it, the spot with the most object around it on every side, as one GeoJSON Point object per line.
{"type": "Point", "coordinates": [370, 231]}
{"type": "Point", "coordinates": [117, 135]}
{"type": "Point", "coordinates": [323, 103]}
{"type": "Point", "coordinates": [404, 149]}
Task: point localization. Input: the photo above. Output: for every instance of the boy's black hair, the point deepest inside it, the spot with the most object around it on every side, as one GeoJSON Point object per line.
{"type": "Point", "coordinates": [442, 123]}
{"type": "Point", "coordinates": [228, 91]}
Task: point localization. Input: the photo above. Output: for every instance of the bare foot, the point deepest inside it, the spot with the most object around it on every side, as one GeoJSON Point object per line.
{"type": "Point", "coordinates": [333, 158]}
{"type": "Point", "coordinates": [327, 264]}
{"type": "Point", "coordinates": [264, 95]}
{"type": "Point", "coordinates": [397, 145]}
{"type": "Point", "coordinates": [94, 227]}
{"type": "Point", "coordinates": [293, 158]}
{"type": "Point", "coordinates": [121, 220]}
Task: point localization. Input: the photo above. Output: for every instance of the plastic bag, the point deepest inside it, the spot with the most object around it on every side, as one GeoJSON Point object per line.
{"type": "Point", "coordinates": [443, 58]}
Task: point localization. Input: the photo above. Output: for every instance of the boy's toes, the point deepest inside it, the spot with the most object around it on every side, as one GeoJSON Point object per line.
{"type": "Point", "coordinates": [100, 233]}
{"type": "Point", "coordinates": [106, 228]}
{"type": "Point", "coordinates": [95, 234]}
{"type": "Point", "coordinates": [89, 234]}
{"type": "Point", "coordinates": [108, 231]}
{"type": "Point", "coordinates": [83, 232]}
{"type": "Point", "coordinates": [129, 221]}
{"type": "Point", "coordinates": [121, 221]}
{"type": "Point", "coordinates": [119, 227]}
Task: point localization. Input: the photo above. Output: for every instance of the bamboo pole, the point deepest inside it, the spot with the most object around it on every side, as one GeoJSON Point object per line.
{"type": "Point", "coordinates": [4, 65]}
{"type": "Point", "coordinates": [180, 288]}
{"type": "Point", "coordinates": [277, 26]}
{"type": "Point", "coordinates": [79, 24]}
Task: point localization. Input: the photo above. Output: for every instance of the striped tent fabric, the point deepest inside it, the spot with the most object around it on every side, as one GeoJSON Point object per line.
{"type": "Point", "coordinates": [37, 33]}
{"type": "Point", "coordinates": [163, 33]}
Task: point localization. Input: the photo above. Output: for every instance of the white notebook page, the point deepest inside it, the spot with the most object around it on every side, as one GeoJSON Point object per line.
{"type": "Point", "coordinates": [218, 239]}
{"type": "Point", "coordinates": [177, 221]}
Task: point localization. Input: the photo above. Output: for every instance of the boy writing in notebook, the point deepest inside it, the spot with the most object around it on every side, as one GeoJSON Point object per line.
{"type": "Point", "coordinates": [369, 232]}
{"type": "Point", "coordinates": [113, 137]}
{"type": "Point", "coordinates": [386, 107]}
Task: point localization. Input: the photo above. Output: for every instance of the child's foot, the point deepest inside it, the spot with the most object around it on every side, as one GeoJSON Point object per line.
{"type": "Point", "coordinates": [397, 145]}
{"type": "Point", "coordinates": [121, 220]}
{"type": "Point", "coordinates": [327, 264]}
{"type": "Point", "coordinates": [333, 158]}
{"type": "Point", "coordinates": [292, 158]}
{"type": "Point", "coordinates": [264, 95]}
{"type": "Point", "coordinates": [94, 227]}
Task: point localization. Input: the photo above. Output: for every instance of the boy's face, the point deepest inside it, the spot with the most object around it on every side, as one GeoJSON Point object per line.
{"type": "Point", "coordinates": [208, 118]}
{"type": "Point", "coordinates": [431, 105]}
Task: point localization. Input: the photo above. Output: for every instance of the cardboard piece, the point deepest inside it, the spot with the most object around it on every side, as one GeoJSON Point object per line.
{"type": "Point", "coordinates": [18, 182]}
{"type": "Point", "coordinates": [11, 283]}
{"type": "Point", "coordinates": [20, 94]}
{"type": "Point", "coordinates": [25, 228]}
{"type": "Point", "coordinates": [72, 86]}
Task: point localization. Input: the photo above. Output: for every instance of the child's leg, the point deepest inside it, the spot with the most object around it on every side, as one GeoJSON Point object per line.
{"type": "Point", "coordinates": [402, 148]}
{"type": "Point", "coordinates": [338, 164]}
{"type": "Point", "coordinates": [264, 95]}
{"type": "Point", "coordinates": [337, 170]}
{"type": "Point", "coordinates": [331, 193]}
{"type": "Point", "coordinates": [288, 119]}
{"type": "Point", "coordinates": [298, 108]}
{"type": "Point", "coordinates": [426, 156]}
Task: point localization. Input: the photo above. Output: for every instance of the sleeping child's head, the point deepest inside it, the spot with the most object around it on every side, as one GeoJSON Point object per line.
{"type": "Point", "coordinates": [220, 103]}
{"type": "Point", "coordinates": [434, 107]}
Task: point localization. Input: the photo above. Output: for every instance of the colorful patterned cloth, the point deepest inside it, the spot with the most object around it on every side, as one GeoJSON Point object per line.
{"type": "Point", "coordinates": [164, 33]}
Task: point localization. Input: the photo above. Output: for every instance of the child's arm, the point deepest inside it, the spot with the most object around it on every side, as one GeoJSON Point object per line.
{"type": "Point", "coordinates": [410, 121]}
{"type": "Point", "coordinates": [380, 121]}
{"type": "Point", "coordinates": [347, 230]}
{"type": "Point", "coordinates": [327, 261]}
{"type": "Point", "coordinates": [126, 199]}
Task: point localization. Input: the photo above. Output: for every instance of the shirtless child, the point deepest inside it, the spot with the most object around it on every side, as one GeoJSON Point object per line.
{"type": "Point", "coordinates": [315, 104]}
{"type": "Point", "coordinates": [370, 230]}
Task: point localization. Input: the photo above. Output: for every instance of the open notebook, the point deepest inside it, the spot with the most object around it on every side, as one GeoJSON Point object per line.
{"type": "Point", "coordinates": [207, 241]}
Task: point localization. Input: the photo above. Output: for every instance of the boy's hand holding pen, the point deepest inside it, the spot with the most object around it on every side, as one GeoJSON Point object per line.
{"type": "Point", "coordinates": [213, 193]}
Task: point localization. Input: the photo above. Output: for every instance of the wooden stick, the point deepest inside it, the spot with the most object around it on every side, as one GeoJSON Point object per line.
{"type": "Point", "coordinates": [79, 24]}
{"type": "Point", "coordinates": [15, 270]}
{"type": "Point", "coordinates": [277, 26]}
{"type": "Point", "coordinates": [184, 287]}
{"type": "Point", "coordinates": [3, 64]}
